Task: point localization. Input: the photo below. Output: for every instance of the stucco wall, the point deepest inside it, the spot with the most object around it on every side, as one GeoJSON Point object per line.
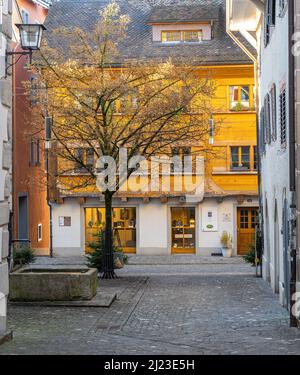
{"type": "Point", "coordinates": [275, 162]}
{"type": "Point", "coordinates": [153, 228]}
{"type": "Point", "coordinates": [5, 160]}
{"type": "Point", "coordinates": [153, 225]}
{"type": "Point", "coordinates": [67, 240]}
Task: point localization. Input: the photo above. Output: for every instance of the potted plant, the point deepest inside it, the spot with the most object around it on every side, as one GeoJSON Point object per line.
{"type": "Point", "coordinates": [226, 241]}
{"type": "Point", "coordinates": [95, 258]}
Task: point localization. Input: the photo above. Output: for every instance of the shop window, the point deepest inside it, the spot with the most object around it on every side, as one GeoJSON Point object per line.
{"type": "Point", "coordinates": [183, 229]}
{"type": "Point", "coordinates": [124, 227]}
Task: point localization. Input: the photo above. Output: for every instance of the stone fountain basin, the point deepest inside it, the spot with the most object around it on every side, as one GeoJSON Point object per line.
{"type": "Point", "coordinates": [53, 283]}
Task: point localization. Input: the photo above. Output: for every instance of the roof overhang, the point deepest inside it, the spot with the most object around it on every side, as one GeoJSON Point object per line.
{"type": "Point", "coordinates": [44, 3]}
{"type": "Point", "coordinates": [244, 14]}
{"type": "Point", "coordinates": [244, 17]}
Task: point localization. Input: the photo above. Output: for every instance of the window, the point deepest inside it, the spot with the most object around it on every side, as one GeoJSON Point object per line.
{"type": "Point", "coordinates": [185, 36]}
{"type": "Point", "coordinates": [25, 16]}
{"type": "Point", "coordinates": [85, 159]}
{"type": "Point", "coordinates": [273, 116]}
{"type": "Point", "coordinates": [38, 152]}
{"type": "Point", "coordinates": [79, 156]}
{"type": "Point", "coordinates": [269, 19]}
{"type": "Point", "coordinates": [239, 98]}
{"type": "Point", "coordinates": [240, 158]}
{"type": "Point", "coordinates": [181, 161]}
{"type": "Point", "coordinates": [33, 91]}
{"type": "Point", "coordinates": [282, 7]}
{"type": "Point", "coordinates": [262, 131]}
{"type": "Point", "coordinates": [1, 5]}
{"type": "Point", "coordinates": [90, 157]}
{"type": "Point", "coordinates": [128, 103]}
{"type": "Point", "coordinates": [255, 160]}
{"type": "Point", "coordinates": [192, 36]}
{"type": "Point", "coordinates": [40, 232]}
{"type": "Point", "coordinates": [171, 36]}
{"type": "Point", "coordinates": [124, 227]}
{"type": "Point", "coordinates": [283, 109]}
{"type": "Point", "coordinates": [34, 153]}
{"type": "Point", "coordinates": [267, 119]}
{"type": "Point", "coordinates": [183, 228]}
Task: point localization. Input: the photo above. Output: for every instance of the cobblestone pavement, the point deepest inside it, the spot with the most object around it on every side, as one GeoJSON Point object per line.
{"type": "Point", "coordinates": [164, 309]}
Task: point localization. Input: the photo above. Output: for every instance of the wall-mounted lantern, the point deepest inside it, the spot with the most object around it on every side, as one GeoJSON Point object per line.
{"type": "Point", "coordinates": [30, 38]}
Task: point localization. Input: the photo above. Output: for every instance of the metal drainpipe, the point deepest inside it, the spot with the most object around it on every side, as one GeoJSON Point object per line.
{"type": "Point", "coordinates": [292, 163]}
{"type": "Point", "coordinates": [50, 207]}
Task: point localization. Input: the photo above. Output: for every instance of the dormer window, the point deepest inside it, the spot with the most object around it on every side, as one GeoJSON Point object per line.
{"type": "Point", "coordinates": [181, 36]}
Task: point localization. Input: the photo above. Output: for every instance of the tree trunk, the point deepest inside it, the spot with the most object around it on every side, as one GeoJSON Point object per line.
{"type": "Point", "coordinates": [108, 261]}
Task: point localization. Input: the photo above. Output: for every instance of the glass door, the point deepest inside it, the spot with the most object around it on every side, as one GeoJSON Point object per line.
{"type": "Point", "coordinates": [183, 230]}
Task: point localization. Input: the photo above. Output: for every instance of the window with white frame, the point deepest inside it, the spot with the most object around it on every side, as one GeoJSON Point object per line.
{"type": "Point", "coordinates": [40, 232]}
{"type": "Point", "coordinates": [181, 36]}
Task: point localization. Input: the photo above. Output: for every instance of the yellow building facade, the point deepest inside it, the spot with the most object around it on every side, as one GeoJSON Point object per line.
{"type": "Point", "coordinates": [224, 197]}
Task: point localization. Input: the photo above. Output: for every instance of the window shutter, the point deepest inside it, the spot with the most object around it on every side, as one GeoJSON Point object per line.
{"type": "Point", "coordinates": [262, 131]}
{"type": "Point", "coordinates": [267, 119]}
{"type": "Point", "coordinates": [266, 24]}
{"type": "Point", "coordinates": [272, 12]}
{"type": "Point", "coordinates": [283, 109]}
{"type": "Point", "coordinates": [274, 113]}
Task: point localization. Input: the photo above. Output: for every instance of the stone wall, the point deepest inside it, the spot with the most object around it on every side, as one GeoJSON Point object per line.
{"type": "Point", "coordinates": [5, 158]}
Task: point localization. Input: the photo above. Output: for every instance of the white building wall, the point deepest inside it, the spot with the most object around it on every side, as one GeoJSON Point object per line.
{"type": "Point", "coordinates": [275, 161]}
{"type": "Point", "coordinates": [209, 240]}
{"type": "Point", "coordinates": [153, 225]}
{"type": "Point", "coordinates": [5, 158]}
{"type": "Point", "coordinates": [68, 240]}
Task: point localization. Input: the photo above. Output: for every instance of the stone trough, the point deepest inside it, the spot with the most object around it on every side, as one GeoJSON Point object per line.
{"type": "Point", "coordinates": [55, 283]}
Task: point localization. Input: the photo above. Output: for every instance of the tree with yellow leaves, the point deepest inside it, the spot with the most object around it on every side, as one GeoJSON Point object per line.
{"type": "Point", "coordinates": [102, 102]}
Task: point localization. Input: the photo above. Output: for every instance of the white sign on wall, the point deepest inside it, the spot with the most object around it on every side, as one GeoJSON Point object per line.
{"type": "Point", "coordinates": [209, 219]}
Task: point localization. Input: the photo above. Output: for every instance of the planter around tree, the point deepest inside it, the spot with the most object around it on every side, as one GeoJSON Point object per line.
{"type": "Point", "coordinates": [227, 252]}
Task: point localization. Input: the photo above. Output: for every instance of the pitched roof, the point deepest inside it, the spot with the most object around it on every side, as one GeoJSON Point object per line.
{"type": "Point", "coordinates": [185, 13]}
{"type": "Point", "coordinates": [139, 44]}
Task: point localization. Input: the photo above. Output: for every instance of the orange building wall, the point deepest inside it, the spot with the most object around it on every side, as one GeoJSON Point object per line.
{"type": "Point", "coordinates": [26, 178]}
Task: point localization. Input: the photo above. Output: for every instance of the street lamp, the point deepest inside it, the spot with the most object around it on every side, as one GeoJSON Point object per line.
{"type": "Point", "coordinates": [30, 37]}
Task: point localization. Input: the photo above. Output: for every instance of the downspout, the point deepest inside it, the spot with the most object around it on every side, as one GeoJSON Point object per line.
{"type": "Point", "coordinates": [50, 210]}
{"type": "Point", "coordinates": [292, 163]}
